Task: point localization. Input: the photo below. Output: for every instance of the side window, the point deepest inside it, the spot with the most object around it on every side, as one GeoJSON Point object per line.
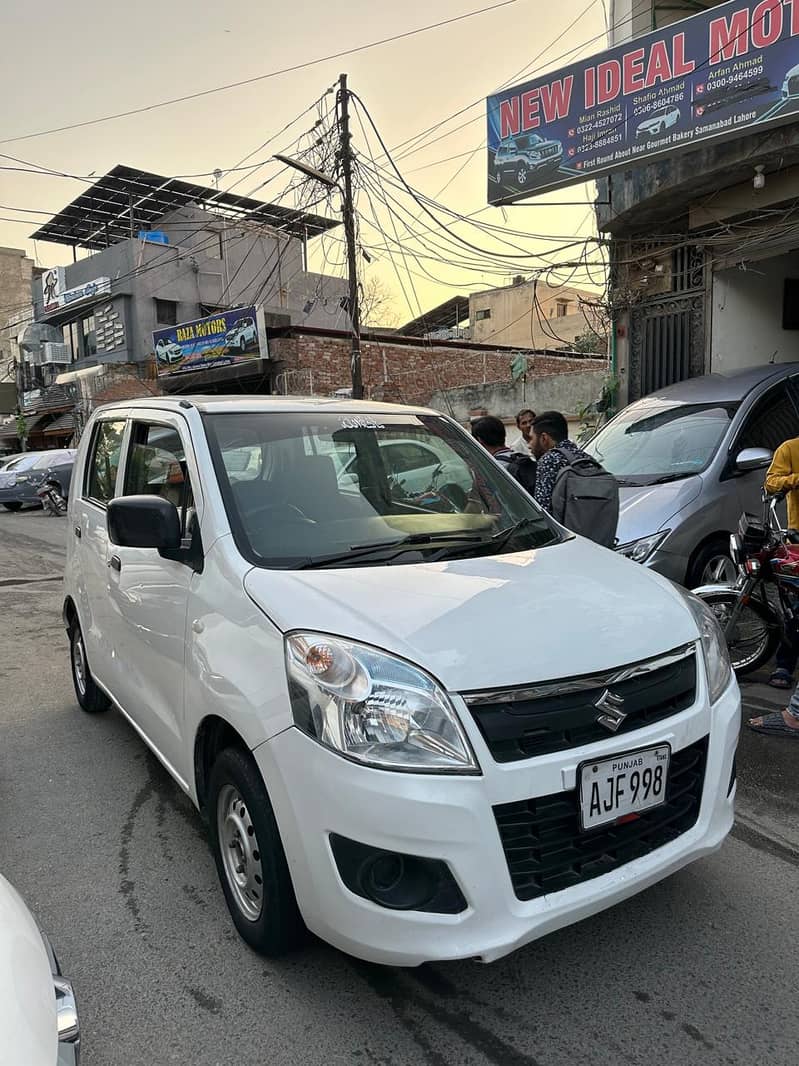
{"type": "Point", "coordinates": [157, 467]}
{"type": "Point", "coordinates": [101, 470]}
{"type": "Point", "coordinates": [772, 421]}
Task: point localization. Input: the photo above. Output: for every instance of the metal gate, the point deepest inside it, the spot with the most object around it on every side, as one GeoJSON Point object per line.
{"type": "Point", "coordinates": [667, 332]}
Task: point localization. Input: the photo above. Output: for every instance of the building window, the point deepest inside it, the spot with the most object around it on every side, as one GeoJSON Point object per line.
{"type": "Point", "coordinates": [88, 328]}
{"type": "Point", "coordinates": [166, 312]}
{"type": "Point", "coordinates": [481, 316]}
{"type": "Point", "coordinates": [563, 308]}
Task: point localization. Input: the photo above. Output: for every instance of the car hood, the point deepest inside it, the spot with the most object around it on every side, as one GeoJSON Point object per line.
{"type": "Point", "coordinates": [645, 509]}
{"type": "Point", "coordinates": [30, 1033]}
{"type": "Point", "coordinates": [572, 608]}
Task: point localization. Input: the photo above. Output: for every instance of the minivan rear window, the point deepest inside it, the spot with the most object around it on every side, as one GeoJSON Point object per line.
{"type": "Point", "coordinates": [308, 489]}
{"type": "Point", "coordinates": [654, 440]}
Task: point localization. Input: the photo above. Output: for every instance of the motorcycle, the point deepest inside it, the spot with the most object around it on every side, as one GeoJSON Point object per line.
{"type": "Point", "coordinates": [761, 609]}
{"type": "Point", "coordinates": [49, 492]}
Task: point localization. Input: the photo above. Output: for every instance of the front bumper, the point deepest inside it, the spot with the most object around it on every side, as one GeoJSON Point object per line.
{"type": "Point", "coordinates": [316, 792]}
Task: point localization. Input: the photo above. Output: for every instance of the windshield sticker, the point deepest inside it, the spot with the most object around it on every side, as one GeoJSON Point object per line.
{"type": "Point", "coordinates": [360, 423]}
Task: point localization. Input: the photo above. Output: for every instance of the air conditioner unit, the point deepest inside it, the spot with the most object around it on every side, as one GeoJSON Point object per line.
{"type": "Point", "coordinates": [56, 353]}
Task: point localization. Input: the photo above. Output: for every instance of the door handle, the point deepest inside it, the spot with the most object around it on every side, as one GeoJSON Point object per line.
{"type": "Point", "coordinates": [115, 563]}
{"type": "Point", "coordinates": [78, 533]}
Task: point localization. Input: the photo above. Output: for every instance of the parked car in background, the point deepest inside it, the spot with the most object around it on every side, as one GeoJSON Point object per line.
{"type": "Point", "coordinates": [343, 678]}
{"type": "Point", "coordinates": [689, 459]}
{"type": "Point", "coordinates": [20, 479]}
{"type": "Point", "coordinates": [241, 336]}
{"type": "Point", "coordinates": [658, 121]}
{"type": "Point", "coordinates": [518, 158]}
{"type": "Point", "coordinates": [168, 351]}
{"type": "Point", "coordinates": [40, 1016]}
{"type": "Point", "coordinates": [414, 467]}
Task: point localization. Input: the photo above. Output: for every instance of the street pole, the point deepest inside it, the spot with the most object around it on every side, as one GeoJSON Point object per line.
{"type": "Point", "coordinates": [348, 212]}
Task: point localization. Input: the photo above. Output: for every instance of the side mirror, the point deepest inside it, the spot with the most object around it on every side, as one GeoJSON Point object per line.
{"type": "Point", "coordinates": [143, 522]}
{"type": "Point", "coordinates": [753, 459]}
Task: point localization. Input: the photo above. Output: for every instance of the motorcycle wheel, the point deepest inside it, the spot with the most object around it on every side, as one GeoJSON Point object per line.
{"type": "Point", "coordinates": [756, 635]}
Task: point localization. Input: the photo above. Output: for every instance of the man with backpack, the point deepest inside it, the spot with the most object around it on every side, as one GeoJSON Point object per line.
{"type": "Point", "coordinates": [573, 487]}
{"type": "Point", "coordinates": [490, 432]}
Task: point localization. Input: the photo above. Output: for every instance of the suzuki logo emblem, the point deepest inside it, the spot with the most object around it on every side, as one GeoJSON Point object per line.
{"type": "Point", "coordinates": [611, 706]}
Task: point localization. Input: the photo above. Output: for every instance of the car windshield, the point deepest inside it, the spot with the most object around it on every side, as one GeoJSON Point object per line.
{"type": "Point", "coordinates": [25, 462]}
{"type": "Point", "coordinates": [654, 440]}
{"type": "Point", "coordinates": [305, 489]}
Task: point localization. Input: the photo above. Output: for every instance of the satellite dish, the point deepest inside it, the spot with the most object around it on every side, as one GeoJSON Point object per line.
{"type": "Point", "coordinates": [36, 334]}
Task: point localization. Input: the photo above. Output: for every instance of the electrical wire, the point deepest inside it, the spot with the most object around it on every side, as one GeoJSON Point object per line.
{"type": "Point", "coordinates": [260, 77]}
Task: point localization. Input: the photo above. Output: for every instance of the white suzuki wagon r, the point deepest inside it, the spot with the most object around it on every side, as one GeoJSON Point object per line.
{"type": "Point", "coordinates": [425, 722]}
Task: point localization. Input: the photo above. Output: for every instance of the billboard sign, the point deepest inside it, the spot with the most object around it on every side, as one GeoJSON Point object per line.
{"type": "Point", "coordinates": [55, 297]}
{"type": "Point", "coordinates": [223, 339]}
{"type": "Point", "coordinates": [719, 74]}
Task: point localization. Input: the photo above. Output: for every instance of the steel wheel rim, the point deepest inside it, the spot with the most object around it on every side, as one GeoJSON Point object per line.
{"type": "Point", "coordinates": [241, 856]}
{"type": "Point", "coordinates": [719, 570]}
{"type": "Point", "coordinates": [742, 651]}
{"type": "Point", "coordinates": [79, 664]}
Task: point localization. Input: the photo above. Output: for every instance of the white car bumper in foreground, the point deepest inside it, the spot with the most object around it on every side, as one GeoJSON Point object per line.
{"type": "Point", "coordinates": [316, 793]}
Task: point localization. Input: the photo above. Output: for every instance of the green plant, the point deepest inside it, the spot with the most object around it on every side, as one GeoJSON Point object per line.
{"type": "Point", "coordinates": [22, 426]}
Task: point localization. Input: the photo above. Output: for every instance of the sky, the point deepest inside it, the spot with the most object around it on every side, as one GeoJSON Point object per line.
{"type": "Point", "coordinates": [67, 63]}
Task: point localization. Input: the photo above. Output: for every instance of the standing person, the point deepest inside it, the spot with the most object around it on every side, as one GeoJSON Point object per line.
{"type": "Point", "coordinates": [783, 476]}
{"type": "Point", "coordinates": [490, 432]}
{"type": "Point", "coordinates": [574, 488]}
{"type": "Point", "coordinates": [524, 423]}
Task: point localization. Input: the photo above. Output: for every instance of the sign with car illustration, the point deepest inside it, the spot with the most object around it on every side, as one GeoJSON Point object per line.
{"type": "Point", "coordinates": [219, 340]}
{"type": "Point", "coordinates": [713, 75]}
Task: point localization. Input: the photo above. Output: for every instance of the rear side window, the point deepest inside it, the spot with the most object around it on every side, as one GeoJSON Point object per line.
{"type": "Point", "coordinates": [106, 448]}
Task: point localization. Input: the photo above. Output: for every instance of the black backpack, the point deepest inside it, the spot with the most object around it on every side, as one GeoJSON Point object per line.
{"type": "Point", "coordinates": [585, 499]}
{"type": "Point", "coordinates": [523, 468]}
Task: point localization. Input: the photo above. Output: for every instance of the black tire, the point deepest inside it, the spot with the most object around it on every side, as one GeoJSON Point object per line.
{"type": "Point", "coordinates": [242, 345]}
{"type": "Point", "coordinates": [702, 571]}
{"type": "Point", "coordinates": [16, 506]}
{"type": "Point", "coordinates": [90, 698]}
{"type": "Point", "coordinates": [237, 786]}
{"type": "Point", "coordinates": [755, 637]}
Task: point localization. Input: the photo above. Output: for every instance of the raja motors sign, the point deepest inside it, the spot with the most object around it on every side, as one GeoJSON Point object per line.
{"type": "Point", "coordinates": [718, 74]}
{"type": "Point", "coordinates": [223, 339]}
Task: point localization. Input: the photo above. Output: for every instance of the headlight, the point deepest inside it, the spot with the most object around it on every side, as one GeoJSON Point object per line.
{"type": "Point", "coordinates": [640, 550]}
{"type": "Point", "coordinates": [373, 707]}
{"type": "Point", "coordinates": [714, 646]}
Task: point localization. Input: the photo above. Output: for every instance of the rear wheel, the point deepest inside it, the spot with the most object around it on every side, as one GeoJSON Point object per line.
{"type": "Point", "coordinates": [91, 698]}
{"type": "Point", "coordinates": [16, 506]}
{"type": "Point", "coordinates": [249, 856]}
{"type": "Point", "coordinates": [754, 639]}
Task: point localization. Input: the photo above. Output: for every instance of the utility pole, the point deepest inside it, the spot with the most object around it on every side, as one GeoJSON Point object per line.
{"type": "Point", "coordinates": [348, 212]}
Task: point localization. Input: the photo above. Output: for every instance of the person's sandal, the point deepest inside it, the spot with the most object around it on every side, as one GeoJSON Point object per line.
{"type": "Point", "coordinates": [773, 725]}
{"type": "Point", "coordinates": [780, 679]}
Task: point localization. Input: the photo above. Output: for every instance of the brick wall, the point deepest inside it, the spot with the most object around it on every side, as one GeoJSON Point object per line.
{"type": "Point", "coordinates": [413, 371]}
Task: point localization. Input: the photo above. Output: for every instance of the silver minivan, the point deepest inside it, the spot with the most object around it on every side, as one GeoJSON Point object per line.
{"type": "Point", "coordinates": [690, 459]}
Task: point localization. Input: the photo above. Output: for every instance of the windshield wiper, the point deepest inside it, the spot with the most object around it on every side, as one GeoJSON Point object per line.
{"type": "Point", "coordinates": [358, 551]}
{"type": "Point", "coordinates": [671, 477]}
{"type": "Point", "coordinates": [504, 535]}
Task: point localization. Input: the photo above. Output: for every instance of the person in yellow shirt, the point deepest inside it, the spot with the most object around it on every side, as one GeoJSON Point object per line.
{"type": "Point", "coordinates": [783, 476]}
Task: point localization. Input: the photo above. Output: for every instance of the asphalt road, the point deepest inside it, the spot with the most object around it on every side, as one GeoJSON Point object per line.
{"type": "Point", "coordinates": [701, 969]}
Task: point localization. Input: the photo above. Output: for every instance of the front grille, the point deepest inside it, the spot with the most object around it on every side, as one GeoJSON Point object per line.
{"type": "Point", "coordinates": [563, 714]}
{"type": "Point", "coordinates": [546, 850]}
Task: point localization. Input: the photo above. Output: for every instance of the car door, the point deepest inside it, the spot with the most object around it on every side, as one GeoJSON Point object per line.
{"type": "Point", "coordinates": [90, 545]}
{"type": "Point", "coordinates": [149, 590]}
{"type": "Point", "coordinates": [772, 419]}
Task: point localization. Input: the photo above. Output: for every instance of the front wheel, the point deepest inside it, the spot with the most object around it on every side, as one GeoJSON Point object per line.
{"type": "Point", "coordinates": [91, 698]}
{"type": "Point", "coordinates": [755, 636]}
{"type": "Point", "coordinates": [249, 856]}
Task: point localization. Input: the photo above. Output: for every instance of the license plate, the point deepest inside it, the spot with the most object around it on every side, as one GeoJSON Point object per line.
{"type": "Point", "coordinates": [622, 786]}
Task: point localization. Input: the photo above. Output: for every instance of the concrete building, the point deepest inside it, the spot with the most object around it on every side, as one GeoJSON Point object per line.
{"type": "Point", "coordinates": [164, 252]}
{"type": "Point", "coordinates": [16, 280]}
{"type": "Point", "coordinates": [705, 250]}
{"type": "Point", "coordinates": [533, 314]}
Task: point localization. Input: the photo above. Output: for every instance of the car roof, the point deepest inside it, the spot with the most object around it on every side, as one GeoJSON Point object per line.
{"type": "Point", "coordinates": [267, 404]}
{"type": "Point", "coordinates": [724, 387]}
